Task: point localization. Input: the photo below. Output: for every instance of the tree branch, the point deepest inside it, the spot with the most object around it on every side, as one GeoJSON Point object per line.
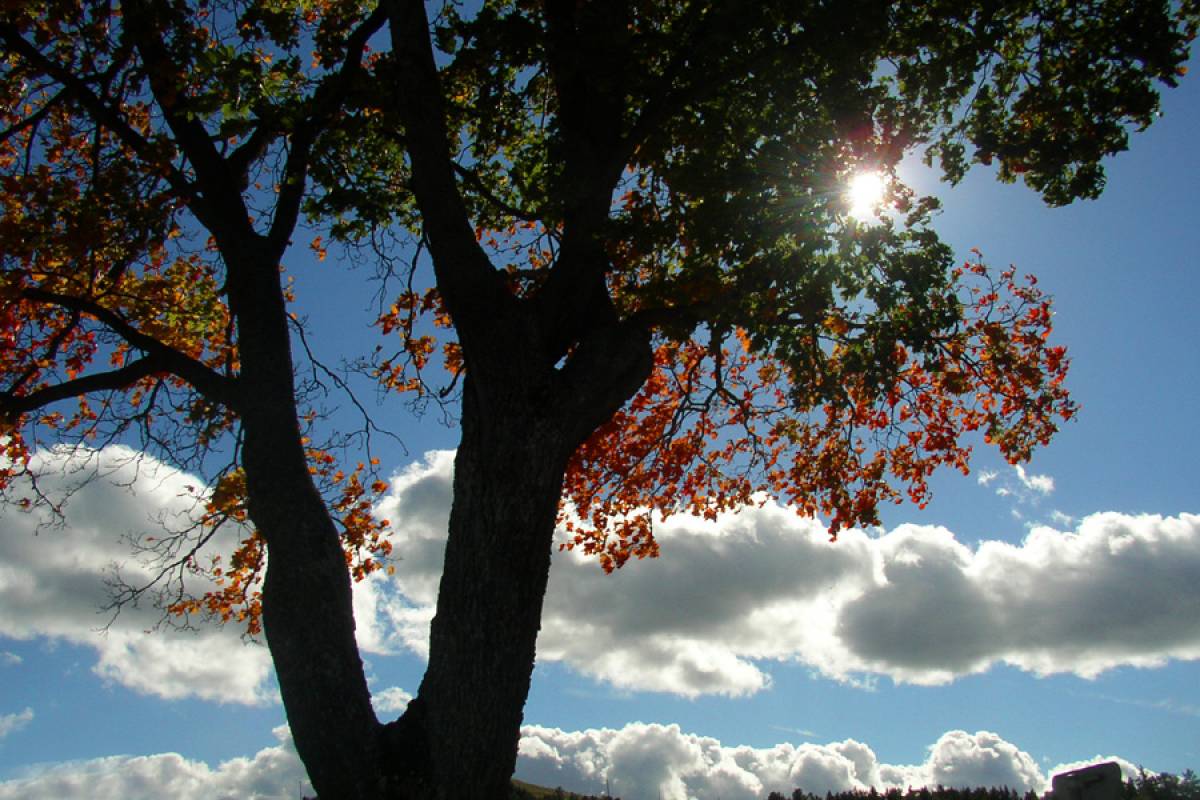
{"type": "Point", "coordinates": [224, 209]}
{"type": "Point", "coordinates": [467, 281]}
{"type": "Point", "coordinates": [588, 57]}
{"type": "Point", "coordinates": [607, 368]}
{"type": "Point", "coordinates": [478, 185]}
{"type": "Point", "coordinates": [36, 117]}
{"type": "Point", "coordinates": [244, 155]}
{"type": "Point", "coordinates": [327, 100]}
{"type": "Point", "coordinates": [690, 315]}
{"type": "Point", "coordinates": [14, 405]}
{"type": "Point", "coordinates": [214, 386]}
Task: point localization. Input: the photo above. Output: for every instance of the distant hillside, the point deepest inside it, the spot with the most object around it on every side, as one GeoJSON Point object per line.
{"type": "Point", "coordinates": [527, 791]}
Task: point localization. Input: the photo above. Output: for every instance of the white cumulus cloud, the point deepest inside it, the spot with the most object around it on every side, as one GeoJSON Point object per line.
{"type": "Point", "coordinates": [961, 759]}
{"type": "Point", "coordinates": [635, 761]}
{"type": "Point", "coordinates": [391, 700]}
{"type": "Point", "coordinates": [728, 598]}
{"type": "Point", "coordinates": [649, 760]}
{"type": "Point", "coordinates": [273, 773]}
{"type": "Point", "coordinates": [53, 579]}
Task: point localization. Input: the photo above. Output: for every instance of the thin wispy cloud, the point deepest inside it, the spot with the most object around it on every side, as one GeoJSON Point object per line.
{"type": "Point", "coordinates": [1038, 484]}
{"type": "Point", "coordinates": [1168, 705]}
{"type": "Point", "coordinates": [1025, 490]}
{"type": "Point", "coordinates": [1059, 518]}
{"type": "Point", "coordinates": [801, 732]}
{"type": "Point", "coordinates": [10, 723]}
{"type": "Point", "coordinates": [1019, 483]}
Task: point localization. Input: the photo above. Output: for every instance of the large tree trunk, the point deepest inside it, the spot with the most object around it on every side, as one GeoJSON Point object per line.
{"type": "Point", "coordinates": [467, 715]}
{"type": "Point", "coordinates": [522, 418]}
{"type": "Point", "coordinates": [460, 735]}
{"type": "Point", "coordinates": [308, 617]}
{"type": "Point", "coordinates": [308, 620]}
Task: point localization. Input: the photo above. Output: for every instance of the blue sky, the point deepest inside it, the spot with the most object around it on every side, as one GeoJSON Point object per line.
{"type": "Point", "coordinates": [1023, 621]}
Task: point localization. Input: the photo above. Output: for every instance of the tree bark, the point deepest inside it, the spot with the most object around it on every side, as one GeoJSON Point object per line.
{"type": "Point", "coordinates": [308, 616]}
{"type": "Point", "coordinates": [458, 740]}
{"type": "Point", "coordinates": [507, 480]}
{"type": "Point", "coordinates": [308, 620]}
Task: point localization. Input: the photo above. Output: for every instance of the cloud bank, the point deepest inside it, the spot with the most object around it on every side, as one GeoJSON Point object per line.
{"type": "Point", "coordinates": [913, 604]}
{"type": "Point", "coordinates": [643, 760]}
{"type": "Point", "coordinates": [273, 773]}
{"type": "Point", "coordinates": [726, 600]}
{"type": "Point", "coordinates": [637, 761]}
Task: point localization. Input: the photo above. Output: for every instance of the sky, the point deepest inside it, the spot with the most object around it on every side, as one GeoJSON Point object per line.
{"type": "Point", "coordinates": [1028, 620]}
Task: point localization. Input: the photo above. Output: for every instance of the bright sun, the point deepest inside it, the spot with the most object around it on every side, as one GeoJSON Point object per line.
{"type": "Point", "coordinates": [864, 194]}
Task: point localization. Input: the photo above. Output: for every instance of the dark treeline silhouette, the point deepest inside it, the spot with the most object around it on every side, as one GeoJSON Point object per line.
{"type": "Point", "coordinates": [1146, 786]}
{"type": "Point", "coordinates": [939, 793]}
{"type": "Point", "coordinates": [1163, 786]}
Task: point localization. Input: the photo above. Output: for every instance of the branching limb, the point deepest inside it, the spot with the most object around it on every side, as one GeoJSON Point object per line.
{"type": "Point", "coordinates": [473, 180]}
{"type": "Point", "coordinates": [327, 100]}
{"type": "Point", "coordinates": [214, 386]}
{"type": "Point", "coordinates": [113, 380]}
{"type": "Point", "coordinates": [472, 289]}
{"type": "Point", "coordinates": [369, 425]}
{"type": "Point", "coordinates": [220, 206]}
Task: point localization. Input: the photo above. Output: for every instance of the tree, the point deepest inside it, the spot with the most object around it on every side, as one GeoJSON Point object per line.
{"type": "Point", "coordinates": [1164, 785]}
{"type": "Point", "coordinates": [630, 233]}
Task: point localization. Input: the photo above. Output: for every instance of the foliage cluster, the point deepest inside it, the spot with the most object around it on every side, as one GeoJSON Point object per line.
{"type": "Point", "coordinates": [796, 353]}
